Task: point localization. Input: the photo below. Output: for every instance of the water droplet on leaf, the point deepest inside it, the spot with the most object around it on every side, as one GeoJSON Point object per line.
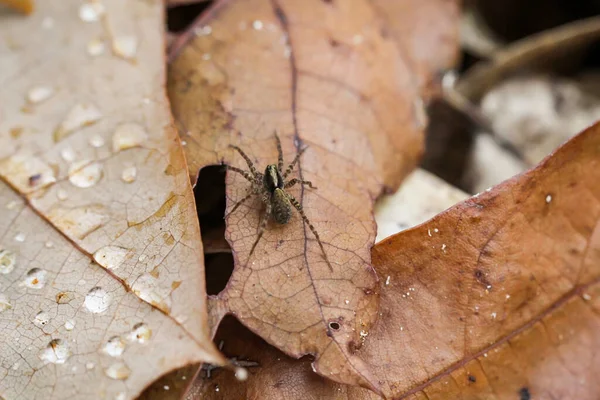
{"type": "Point", "coordinates": [114, 347]}
{"type": "Point", "coordinates": [129, 174]}
{"type": "Point", "coordinates": [8, 260]}
{"type": "Point", "coordinates": [57, 352]}
{"type": "Point", "coordinates": [140, 333]}
{"type": "Point", "coordinates": [85, 173]}
{"type": "Point", "coordinates": [97, 141]}
{"type": "Point", "coordinates": [80, 115]}
{"type": "Point", "coordinates": [91, 12]}
{"type": "Point", "coordinates": [118, 371]}
{"type": "Point", "coordinates": [110, 257]}
{"type": "Point", "coordinates": [4, 303]}
{"type": "Point", "coordinates": [35, 278]}
{"type": "Point", "coordinates": [127, 136]}
{"type": "Point", "coordinates": [69, 324]}
{"type": "Point", "coordinates": [97, 300]}
{"type": "Point", "coordinates": [41, 319]}
{"type": "Point", "coordinates": [95, 47]}
{"type": "Point", "coordinates": [125, 47]}
{"type": "Point", "coordinates": [38, 94]}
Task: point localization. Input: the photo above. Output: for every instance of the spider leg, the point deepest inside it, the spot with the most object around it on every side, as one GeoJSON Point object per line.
{"type": "Point", "coordinates": [248, 161]}
{"type": "Point", "coordinates": [239, 203]}
{"type": "Point", "coordinates": [245, 174]}
{"type": "Point", "coordinates": [312, 228]}
{"type": "Point", "coordinates": [296, 180]}
{"type": "Point", "coordinates": [279, 152]}
{"type": "Point", "coordinates": [261, 229]}
{"type": "Point", "coordinates": [291, 166]}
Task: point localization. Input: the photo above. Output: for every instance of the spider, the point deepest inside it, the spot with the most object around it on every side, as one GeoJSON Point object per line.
{"type": "Point", "coordinates": [271, 186]}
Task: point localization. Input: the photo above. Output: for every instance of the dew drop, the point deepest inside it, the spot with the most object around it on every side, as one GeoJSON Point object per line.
{"type": "Point", "coordinates": [91, 12]}
{"type": "Point", "coordinates": [140, 333]}
{"type": "Point", "coordinates": [127, 136]}
{"type": "Point", "coordinates": [62, 194]}
{"type": "Point", "coordinates": [65, 297]}
{"type": "Point", "coordinates": [70, 324]}
{"type": "Point", "coordinates": [114, 347]}
{"type": "Point", "coordinates": [35, 278]}
{"type": "Point", "coordinates": [95, 47]}
{"type": "Point", "coordinates": [79, 116]}
{"type": "Point", "coordinates": [241, 374]}
{"type": "Point", "coordinates": [97, 141]}
{"type": "Point", "coordinates": [57, 352]}
{"type": "Point", "coordinates": [41, 319]}
{"type": "Point", "coordinates": [121, 396]}
{"type": "Point", "coordinates": [49, 244]}
{"type": "Point", "coordinates": [111, 257]}
{"type": "Point", "coordinates": [85, 173]}
{"type": "Point", "coordinates": [147, 288]}
{"type": "Point", "coordinates": [37, 94]}
{"type": "Point", "coordinates": [129, 174]}
{"type": "Point", "coordinates": [8, 260]}
{"type": "Point", "coordinates": [118, 371]}
{"type": "Point", "coordinates": [258, 25]}
{"type": "Point", "coordinates": [89, 365]}
{"type": "Point", "coordinates": [20, 237]}
{"type": "Point", "coordinates": [4, 303]}
{"type": "Point", "coordinates": [549, 199]}
{"type": "Point", "coordinates": [67, 154]}
{"type": "Point", "coordinates": [27, 172]}
{"type": "Point", "coordinates": [97, 300]}
{"type": "Point", "coordinates": [125, 46]}
{"type": "Point", "coordinates": [203, 30]}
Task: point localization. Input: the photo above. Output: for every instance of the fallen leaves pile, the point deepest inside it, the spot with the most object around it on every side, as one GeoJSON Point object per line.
{"type": "Point", "coordinates": [105, 253]}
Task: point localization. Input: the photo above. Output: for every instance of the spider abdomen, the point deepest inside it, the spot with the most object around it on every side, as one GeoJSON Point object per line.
{"type": "Point", "coordinates": [282, 209]}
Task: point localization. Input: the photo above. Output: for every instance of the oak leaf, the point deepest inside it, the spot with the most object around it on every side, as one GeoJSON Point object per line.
{"type": "Point", "coordinates": [101, 279]}
{"type": "Point", "coordinates": [324, 75]}
{"type": "Point", "coordinates": [497, 297]}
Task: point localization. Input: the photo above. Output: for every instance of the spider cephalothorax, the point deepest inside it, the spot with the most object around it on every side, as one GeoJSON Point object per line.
{"type": "Point", "coordinates": [271, 187]}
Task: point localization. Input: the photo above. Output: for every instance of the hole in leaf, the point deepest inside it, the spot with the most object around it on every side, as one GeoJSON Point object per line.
{"type": "Point", "coordinates": [210, 204]}
{"type": "Point", "coordinates": [334, 325]}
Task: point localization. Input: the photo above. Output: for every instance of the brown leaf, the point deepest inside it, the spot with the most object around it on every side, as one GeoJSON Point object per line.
{"type": "Point", "coordinates": [323, 75]}
{"type": "Point", "coordinates": [491, 296]}
{"type": "Point", "coordinates": [498, 297]}
{"type": "Point", "coordinates": [88, 143]}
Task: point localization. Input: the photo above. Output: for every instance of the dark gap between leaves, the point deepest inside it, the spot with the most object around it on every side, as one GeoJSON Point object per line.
{"type": "Point", "coordinates": [210, 205]}
{"type": "Point", "coordinates": [180, 17]}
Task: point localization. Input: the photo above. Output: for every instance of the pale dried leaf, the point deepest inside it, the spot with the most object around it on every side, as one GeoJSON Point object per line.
{"type": "Point", "coordinates": [69, 151]}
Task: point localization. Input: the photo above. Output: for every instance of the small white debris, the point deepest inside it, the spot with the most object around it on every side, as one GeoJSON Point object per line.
{"type": "Point", "coordinates": [586, 296]}
{"type": "Point", "coordinates": [493, 315]}
{"type": "Point", "coordinates": [166, 387]}
{"type": "Point", "coordinates": [548, 199]}
{"type": "Point", "coordinates": [507, 296]}
{"type": "Point", "coordinates": [347, 301]}
{"type": "Point", "coordinates": [429, 232]}
{"type": "Point", "coordinates": [257, 24]}
{"type": "Point", "coordinates": [436, 230]}
{"type": "Point", "coordinates": [443, 247]}
{"type": "Point", "coordinates": [206, 56]}
{"type": "Point", "coordinates": [387, 281]}
{"type": "Point", "coordinates": [488, 287]}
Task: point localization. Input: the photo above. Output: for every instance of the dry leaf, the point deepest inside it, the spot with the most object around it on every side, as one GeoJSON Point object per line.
{"type": "Point", "coordinates": [87, 141]}
{"type": "Point", "coordinates": [498, 297]}
{"type": "Point", "coordinates": [323, 75]}
{"type": "Point", "coordinates": [24, 6]}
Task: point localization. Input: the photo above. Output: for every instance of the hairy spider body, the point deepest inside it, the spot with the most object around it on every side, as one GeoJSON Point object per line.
{"type": "Point", "coordinates": [271, 187]}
